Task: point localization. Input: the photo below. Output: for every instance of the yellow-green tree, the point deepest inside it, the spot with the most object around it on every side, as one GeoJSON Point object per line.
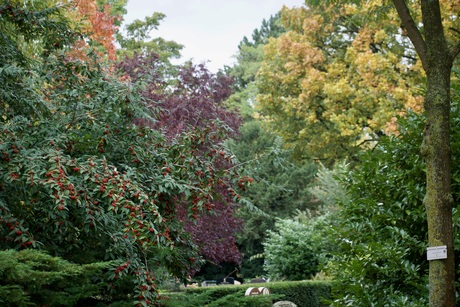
{"type": "Point", "coordinates": [136, 39]}
{"type": "Point", "coordinates": [335, 81]}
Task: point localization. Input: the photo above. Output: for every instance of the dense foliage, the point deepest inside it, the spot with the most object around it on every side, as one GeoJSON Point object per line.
{"type": "Point", "coordinates": [279, 188]}
{"type": "Point", "coordinates": [287, 257]}
{"type": "Point", "coordinates": [33, 278]}
{"type": "Point", "coordinates": [382, 231]}
{"type": "Point", "coordinates": [125, 175]}
{"type": "Point", "coordinates": [85, 177]}
{"type": "Point", "coordinates": [194, 100]}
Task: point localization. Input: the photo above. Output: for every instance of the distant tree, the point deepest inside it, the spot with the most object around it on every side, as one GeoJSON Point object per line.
{"type": "Point", "coordinates": [278, 190]}
{"type": "Point", "coordinates": [289, 258]}
{"type": "Point", "coordinates": [249, 59]}
{"type": "Point", "coordinates": [136, 39]}
{"type": "Point", "coordinates": [269, 28]}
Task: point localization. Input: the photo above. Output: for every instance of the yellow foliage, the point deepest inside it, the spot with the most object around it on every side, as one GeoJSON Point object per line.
{"type": "Point", "coordinates": [332, 81]}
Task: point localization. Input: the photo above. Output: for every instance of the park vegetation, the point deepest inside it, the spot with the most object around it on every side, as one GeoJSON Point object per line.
{"type": "Point", "coordinates": [328, 151]}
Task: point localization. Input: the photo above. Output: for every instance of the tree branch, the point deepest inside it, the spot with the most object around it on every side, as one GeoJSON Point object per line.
{"type": "Point", "coordinates": [412, 31]}
{"type": "Point", "coordinates": [456, 49]}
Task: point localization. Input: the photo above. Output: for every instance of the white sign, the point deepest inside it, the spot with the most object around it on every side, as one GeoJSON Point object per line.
{"type": "Point", "coordinates": [436, 252]}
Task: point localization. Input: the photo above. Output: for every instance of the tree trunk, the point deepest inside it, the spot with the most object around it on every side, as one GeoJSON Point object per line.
{"type": "Point", "coordinates": [437, 62]}
{"type": "Point", "coordinates": [438, 199]}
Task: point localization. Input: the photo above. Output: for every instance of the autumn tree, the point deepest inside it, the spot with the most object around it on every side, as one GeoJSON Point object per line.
{"type": "Point", "coordinates": [332, 84]}
{"type": "Point", "coordinates": [97, 21]}
{"type": "Point", "coordinates": [432, 29]}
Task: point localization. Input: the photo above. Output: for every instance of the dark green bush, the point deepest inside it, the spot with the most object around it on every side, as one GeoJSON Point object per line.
{"type": "Point", "coordinates": [33, 278]}
{"type": "Point", "coordinates": [302, 293]}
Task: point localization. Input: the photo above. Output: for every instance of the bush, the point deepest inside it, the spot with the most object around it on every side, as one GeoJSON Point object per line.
{"type": "Point", "coordinates": [287, 257]}
{"type": "Point", "coordinates": [382, 231]}
{"type": "Point", "coordinates": [33, 278]}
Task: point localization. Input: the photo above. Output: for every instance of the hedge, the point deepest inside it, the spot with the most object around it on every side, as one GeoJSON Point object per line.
{"type": "Point", "coordinates": [302, 293]}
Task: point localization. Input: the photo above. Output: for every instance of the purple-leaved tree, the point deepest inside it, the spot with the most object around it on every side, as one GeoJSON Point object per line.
{"type": "Point", "coordinates": [190, 97]}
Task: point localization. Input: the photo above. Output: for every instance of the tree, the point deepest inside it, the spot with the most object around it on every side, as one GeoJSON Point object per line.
{"type": "Point", "coordinates": [381, 226]}
{"type": "Point", "coordinates": [287, 257]}
{"type": "Point", "coordinates": [332, 84]}
{"type": "Point", "coordinates": [97, 21]}
{"type": "Point", "coordinates": [249, 59]}
{"type": "Point", "coordinates": [136, 39]}
{"type": "Point", "coordinates": [194, 100]}
{"type": "Point", "coordinates": [424, 23]}
{"type": "Point", "coordinates": [437, 55]}
{"type": "Point", "coordinates": [278, 190]}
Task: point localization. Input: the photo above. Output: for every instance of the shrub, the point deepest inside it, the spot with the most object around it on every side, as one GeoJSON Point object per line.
{"type": "Point", "coordinates": [31, 277]}
{"type": "Point", "coordinates": [381, 231]}
{"type": "Point", "coordinates": [287, 257]}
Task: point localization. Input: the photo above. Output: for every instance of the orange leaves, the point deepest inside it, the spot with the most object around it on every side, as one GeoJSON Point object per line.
{"type": "Point", "coordinates": [97, 23]}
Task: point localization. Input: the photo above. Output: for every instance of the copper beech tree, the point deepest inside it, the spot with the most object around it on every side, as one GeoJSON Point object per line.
{"type": "Point", "coordinates": [194, 100]}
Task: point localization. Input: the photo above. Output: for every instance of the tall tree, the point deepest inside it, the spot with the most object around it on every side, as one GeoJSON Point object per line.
{"type": "Point", "coordinates": [279, 188]}
{"type": "Point", "coordinates": [425, 24]}
{"type": "Point", "coordinates": [437, 54]}
{"type": "Point", "coordinates": [249, 59]}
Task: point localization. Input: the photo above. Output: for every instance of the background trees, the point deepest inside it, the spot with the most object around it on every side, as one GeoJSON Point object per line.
{"type": "Point", "coordinates": [278, 190]}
